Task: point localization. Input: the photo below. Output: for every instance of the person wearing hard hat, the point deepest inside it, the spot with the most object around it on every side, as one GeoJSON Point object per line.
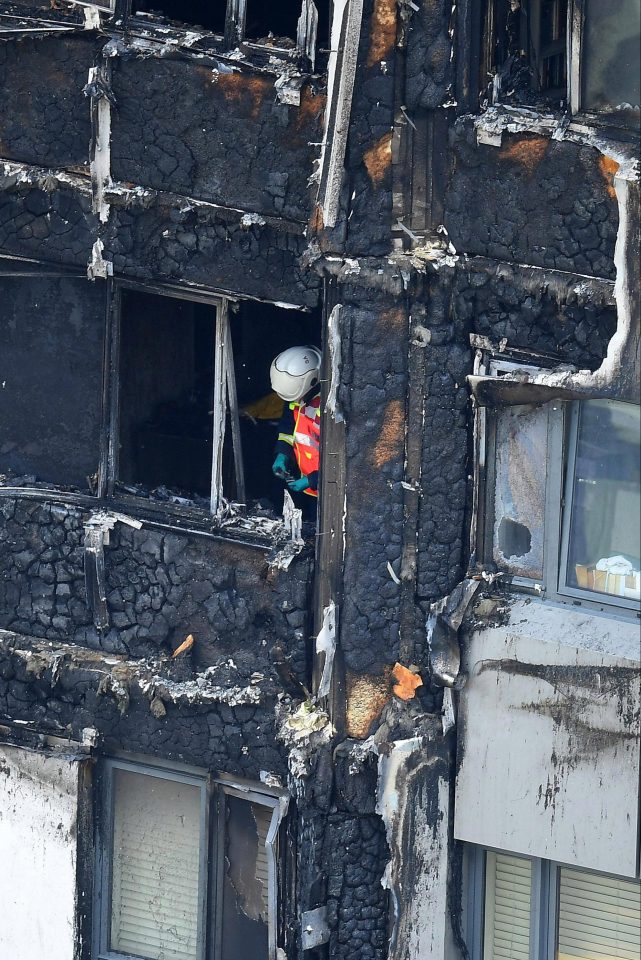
{"type": "Point", "coordinates": [295, 377]}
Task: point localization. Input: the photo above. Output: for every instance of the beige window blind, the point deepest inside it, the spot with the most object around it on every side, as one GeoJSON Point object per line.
{"type": "Point", "coordinates": [156, 854]}
{"type": "Point", "coordinates": [263, 817]}
{"type": "Point", "coordinates": [508, 897]}
{"type": "Point", "coordinates": [599, 917]}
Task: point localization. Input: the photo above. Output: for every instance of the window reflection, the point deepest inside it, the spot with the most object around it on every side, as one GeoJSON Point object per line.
{"type": "Point", "coordinates": [611, 63]}
{"type": "Point", "coordinates": [604, 538]}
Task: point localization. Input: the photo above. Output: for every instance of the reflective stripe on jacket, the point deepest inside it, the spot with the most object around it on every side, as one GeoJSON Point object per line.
{"type": "Point", "coordinates": [306, 438]}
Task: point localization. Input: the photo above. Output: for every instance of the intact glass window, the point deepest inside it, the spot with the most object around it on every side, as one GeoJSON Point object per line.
{"type": "Point", "coordinates": [508, 902]}
{"type": "Point", "coordinates": [610, 67]}
{"type": "Point", "coordinates": [599, 917]}
{"type": "Point", "coordinates": [522, 908]}
{"type": "Point", "coordinates": [603, 500]}
{"type": "Point", "coordinates": [188, 867]}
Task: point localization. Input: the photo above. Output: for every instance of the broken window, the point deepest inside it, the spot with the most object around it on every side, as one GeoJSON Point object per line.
{"type": "Point", "coordinates": [197, 419]}
{"type": "Point", "coordinates": [522, 908]}
{"type": "Point", "coordinates": [237, 20]}
{"type": "Point", "coordinates": [525, 46]}
{"type": "Point", "coordinates": [562, 502]}
{"type": "Point", "coordinates": [188, 867]}
{"type": "Point", "coordinates": [525, 50]}
{"type": "Point", "coordinates": [208, 16]}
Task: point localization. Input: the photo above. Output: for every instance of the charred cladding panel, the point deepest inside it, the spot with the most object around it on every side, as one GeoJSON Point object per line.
{"type": "Point", "coordinates": [533, 200]}
{"type": "Point", "coordinates": [45, 117]}
{"type": "Point", "coordinates": [223, 137]}
{"type": "Point", "coordinates": [51, 342]}
{"type": "Point", "coordinates": [190, 245]}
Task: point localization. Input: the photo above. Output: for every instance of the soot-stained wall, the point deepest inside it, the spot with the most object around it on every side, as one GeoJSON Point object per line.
{"type": "Point", "coordinates": [165, 243]}
{"type": "Point", "coordinates": [50, 406]}
{"type": "Point", "coordinates": [53, 223]}
{"type": "Point", "coordinates": [218, 136]}
{"type": "Point", "coordinates": [230, 727]}
{"type": "Point", "coordinates": [373, 394]}
{"type": "Point", "coordinates": [160, 588]}
{"type": "Point", "coordinates": [532, 200]}
{"type": "Point", "coordinates": [369, 149]}
{"type": "Point", "coordinates": [45, 118]}
{"type": "Point", "coordinates": [537, 314]}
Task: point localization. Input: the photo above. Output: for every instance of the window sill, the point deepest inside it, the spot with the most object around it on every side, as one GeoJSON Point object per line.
{"type": "Point", "coordinates": [258, 532]}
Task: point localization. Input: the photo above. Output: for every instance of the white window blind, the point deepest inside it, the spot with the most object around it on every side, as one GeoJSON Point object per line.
{"type": "Point", "coordinates": [156, 854]}
{"type": "Point", "coordinates": [599, 917]}
{"type": "Point", "coordinates": [508, 896]}
{"type": "Point", "coordinates": [263, 816]}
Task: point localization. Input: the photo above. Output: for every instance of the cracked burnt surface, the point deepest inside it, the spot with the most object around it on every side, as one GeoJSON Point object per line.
{"type": "Point", "coordinates": [48, 121]}
{"type": "Point", "coordinates": [220, 137]}
{"type": "Point", "coordinates": [160, 587]}
{"type": "Point", "coordinates": [54, 224]}
{"type": "Point", "coordinates": [226, 722]}
{"type": "Point", "coordinates": [429, 62]}
{"type": "Point", "coordinates": [537, 314]}
{"type": "Point", "coordinates": [165, 243]}
{"type": "Point", "coordinates": [532, 200]}
{"type": "Point", "coordinates": [373, 392]}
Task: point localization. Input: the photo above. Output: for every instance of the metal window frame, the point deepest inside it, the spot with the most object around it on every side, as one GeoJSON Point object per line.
{"type": "Point", "coordinates": [225, 397]}
{"type": "Point", "coordinates": [543, 902]}
{"type": "Point", "coordinates": [104, 850]}
{"type": "Point", "coordinates": [562, 589]}
{"type": "Point", "coordinates": [561, 454]}
{"type": "Point", "coordinates": [214, 790]}
{"type": "Point", "coordinates": [544, 907]}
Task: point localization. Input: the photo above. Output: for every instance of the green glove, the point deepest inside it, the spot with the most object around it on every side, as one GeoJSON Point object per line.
{"type": "Point", "coordinates": [298, 486]}
{"type": "Point", "coordinates": [279, 467]}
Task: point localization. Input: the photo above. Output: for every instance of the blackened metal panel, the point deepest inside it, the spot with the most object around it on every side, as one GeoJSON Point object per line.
{"type": "Point", "coordinates": [51, 348]}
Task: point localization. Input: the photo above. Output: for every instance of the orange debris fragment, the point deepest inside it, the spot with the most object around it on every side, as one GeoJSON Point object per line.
{"type": "Point", "coordinates": [184, 646]}
{"type": "Point", "coordinates": [406, 682]}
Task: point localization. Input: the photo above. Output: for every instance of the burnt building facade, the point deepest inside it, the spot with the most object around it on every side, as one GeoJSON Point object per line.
{"type": "Point", "coordinates": [402, 722]}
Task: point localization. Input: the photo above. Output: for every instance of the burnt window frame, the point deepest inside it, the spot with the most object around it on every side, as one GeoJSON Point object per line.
{"type": "Point", "coordinates": [224, 388]}
{"type": "Point", "coordinates": [214, 788]}
{"type": "Point", "coordinates": [562, 438]}
{"type": "Point", "coordinates": [305, 40]}
{"type": "Point", "coordinates": [573, 95]}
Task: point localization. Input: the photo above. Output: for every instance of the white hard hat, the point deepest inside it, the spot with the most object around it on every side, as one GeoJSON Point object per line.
{"type": "Point", "coordinates": [294, 372]}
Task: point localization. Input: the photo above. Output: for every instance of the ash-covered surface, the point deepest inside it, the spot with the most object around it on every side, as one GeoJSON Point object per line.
{"type": "Point", "coordinates": [48, 121]}
{"type": "Point", "coordinates": [532, 200]}
{"type": "Point", "coordinates": [229, 727]}
{"type": "Point", "coordinates": [429, 63]}
{"type": "Point", "coordinates": [441, 546]}
{"type": "Point", "coordinates": [160, 587]}
{"type": "Point", "coordinates": [369, 148]}
{"type": "Point", "coordinates": [220, 136]}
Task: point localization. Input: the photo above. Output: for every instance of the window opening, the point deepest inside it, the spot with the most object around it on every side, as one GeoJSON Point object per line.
{"type": "Point", "coordinates": [166, 397]}
{"type": "Point", "coordinates": [278, 19]}
{"type": "Point", "coordinates": [525, 50]}
{"type": "Point", "coordinates": [611, 68]}
{"type": "Point", "coordinates": [198, 419]}
{"type": "Point", "coordinates": [188, 868]}
{"type": "Point", "coordinates": [259, 332]}
{"type": "Point", "coordinates": [603, 502]}
{"type": "Point", "coordinates": [195, 13]}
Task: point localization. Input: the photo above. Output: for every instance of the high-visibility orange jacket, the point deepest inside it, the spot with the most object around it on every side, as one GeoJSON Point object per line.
{"type": "Point", "coordinates": [300, 431]}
